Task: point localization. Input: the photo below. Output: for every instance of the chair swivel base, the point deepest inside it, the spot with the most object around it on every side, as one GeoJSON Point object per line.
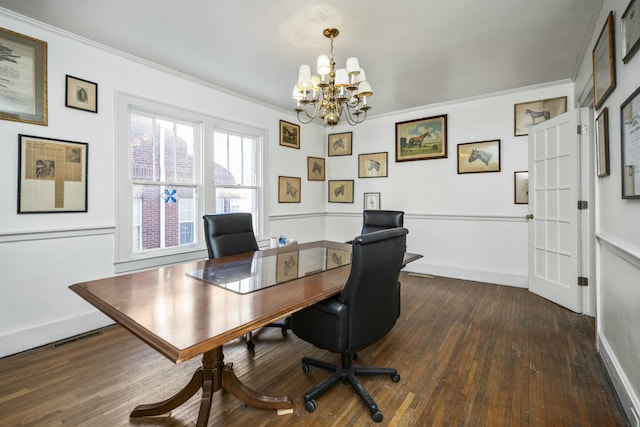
{"type": "Point", "coordinates": [347, 374]}
{"type": "Point", "coordinates": [284, 326]}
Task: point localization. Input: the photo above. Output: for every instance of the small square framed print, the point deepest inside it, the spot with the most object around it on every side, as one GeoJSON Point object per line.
{"type": "Point", "coordinates": [372, 165]}
{"type": "Point", "coordinates": [289, 134]}
{"type": "Point", "coordinates": [341, 191]}
{"type": "Point", "coordinates": [315, 169]}
{"type": "Point", "coordinates": [371, 201]}
{"type": "Point", "coordinates": [81, 94]}
{"type": "Point", "coordinates": [289, 189]}
{"type": "Point", "coordinates": [340, 144]}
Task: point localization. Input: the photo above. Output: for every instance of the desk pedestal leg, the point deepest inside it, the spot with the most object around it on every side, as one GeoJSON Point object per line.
{"type": "Point", "coordinates": [214, 375]}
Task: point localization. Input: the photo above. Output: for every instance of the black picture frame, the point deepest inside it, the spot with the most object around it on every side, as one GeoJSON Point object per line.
{"type": "Point", "coordinates": [630, 146]}
{"type": "Point", "coordinates": [52, 175]}
{"type": "Point", "coordinates": [81, 94]}
{"type": "Point", "coordinates": [630, 31]}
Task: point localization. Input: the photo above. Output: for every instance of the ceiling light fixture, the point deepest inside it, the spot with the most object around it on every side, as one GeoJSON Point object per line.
{"type": "Point", "coordinates": [332, 92]}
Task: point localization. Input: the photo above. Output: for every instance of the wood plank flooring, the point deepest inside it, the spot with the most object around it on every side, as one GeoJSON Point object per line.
{"type": "Point", "coordinates": [469, 354]}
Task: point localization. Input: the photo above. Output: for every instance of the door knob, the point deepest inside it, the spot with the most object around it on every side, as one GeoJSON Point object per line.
{"type": "Point", "coordinates": [530, 216]}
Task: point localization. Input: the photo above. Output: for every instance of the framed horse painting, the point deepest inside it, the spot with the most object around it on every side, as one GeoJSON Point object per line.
{"type": "Point", "coordinates": [289, 189]}
{"type": "Point", "coordinates": [475, 157]}
{"type": "Point", "coordinates": [315, 168]}
{"type": "Point", "coordinates": [289, 134]}
{"type": "Point", "coordinates": [421, 139]}
{"type": "Point", "coordinates": [528, 114]}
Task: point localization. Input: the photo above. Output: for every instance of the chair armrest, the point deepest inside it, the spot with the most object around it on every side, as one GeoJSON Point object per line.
{"type": "Point", "coordinates": [324, 324]}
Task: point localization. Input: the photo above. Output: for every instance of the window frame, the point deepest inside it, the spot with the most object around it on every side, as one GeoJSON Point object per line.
{"type": "Point", "coordinates": [125, 259]}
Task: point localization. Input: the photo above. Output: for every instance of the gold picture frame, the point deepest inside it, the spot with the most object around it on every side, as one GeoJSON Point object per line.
{"type": "Point", "coordinates": [373, 165]}
{"type": "Point", "coordinates": [521, 187]}
{"type": "Point", "coordinates": [316, 169]}
{"type": "Point", "coordinates": [340, 144]}
{"type": "Point", "coordinates": [527, 114]}
{"type": "Point", "coordinates": [422, 139]}
{"type": "Point", "coordinates": [23, 95]}
{"type": "Point", "coordinates": [289, 189]}
{"type": "Point", "coordinates": [478, 157]}
{"type": "Point", "coordinates": [81, 94]}
{"type": "Point", "coordinates": [604, 64]}
{"type": "Point", "coordinates": [289, 134]}
{"type": "Point", "coordinates": [52, 175]}
{"type": "Point", "coordinates": [341, 191]}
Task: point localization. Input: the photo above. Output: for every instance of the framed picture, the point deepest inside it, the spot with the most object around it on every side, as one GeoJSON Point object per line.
{"type": "Point", "coordinates": [81, 94]}
{"type": "Point", "coordinates": [289, 134]}
{"type": "Point", "coordinates": [52, 175]}
{"type": "Point", "coordinates": [315, 169]}
{"type": "Point", "coordinates": [340, 144]}
{"type": "Point", "coordinates": [604, 66]}
{"type": "Point", "coordinates": [289, 189]}
{"type": "Point", "coordinates": [521, 187]}
{"type": "Point", "coordinates": [421, 139]}
{"type": "Point", "coordinates": [337, 258]}
{"type": "Point", "coordinates": [527, 114]}
{"type": "Point", "coordinates": [483, 156]}
{"type": "Point", "coordinates": [341, 191]}
{"type": "Point", "coordinates": [371, 201]}
{"type": "Point", "coordinates": [602, 142]}
{"type": "Point", "coordinates": [630, 129]}
{"type": "Point", "coordinates": [287, 266]}
{"type": "Point", "coordinates": [372, 165]}
{"type": "Point", "coordinates": [630, 30]}
{"type": "Point", "coordinates": [23, 93]}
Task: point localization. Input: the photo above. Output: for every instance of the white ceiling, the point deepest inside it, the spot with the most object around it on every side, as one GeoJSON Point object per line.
{"type": "Point", "coordinates": [414, 52]}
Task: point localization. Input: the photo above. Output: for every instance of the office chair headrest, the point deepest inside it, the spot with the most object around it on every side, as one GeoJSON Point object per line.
{"type": "Point", "coordinates": [376, 236]}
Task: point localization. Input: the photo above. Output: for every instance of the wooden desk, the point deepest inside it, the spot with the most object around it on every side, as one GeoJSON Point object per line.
{"type": "Point", "coordinates": [182, 317]}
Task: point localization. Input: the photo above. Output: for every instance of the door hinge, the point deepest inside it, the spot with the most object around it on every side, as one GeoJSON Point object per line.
{"type": "Point", "coordinates": [583, 281]}
{"type": "Point", "coordinates": [583, 205]}
{"type": "Point", "coordinates": [582, 130]}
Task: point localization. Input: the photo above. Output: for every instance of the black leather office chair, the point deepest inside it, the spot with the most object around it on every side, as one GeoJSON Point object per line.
{"type": "Point", "coordinates": [230, 234]}
{"type": "Point", "coordinates": [374, 220]}
{"type": "Point", "coordinates": [364, 312]}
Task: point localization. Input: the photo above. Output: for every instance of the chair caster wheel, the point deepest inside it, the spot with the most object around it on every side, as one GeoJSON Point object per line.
{"type": "Point", "coordinates": [376, 416]}
{"type": "Point", "coordinates": [395, 378]}
{"type": "Point", "coordinates": [306, 369]}
{"type": "Point", "coordinates": [251, 346]}
{"type": "Point", "coordinates": [310, 406]}
{"type": "Point", "coordinates": [355, 356]}
{"type": "Point", "coordinates": [284, 331]}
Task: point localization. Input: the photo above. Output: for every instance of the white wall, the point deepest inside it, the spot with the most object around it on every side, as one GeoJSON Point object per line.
{"type": "Point", "coordinates": [617, 231]}
{"type": "Point", "coordinates": [42, 254]}
{"type": "Point", "coordinates": [466, 225]}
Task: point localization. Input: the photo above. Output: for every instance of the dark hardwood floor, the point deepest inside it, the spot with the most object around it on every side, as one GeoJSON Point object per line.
{"type": "Point", "coordinates": [469, 354]}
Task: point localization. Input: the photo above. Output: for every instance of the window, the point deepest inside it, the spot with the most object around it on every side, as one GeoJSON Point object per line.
{"type": "Point", "coordinates": [173, 166]}
{"type": "Point", "coordinates": [235, 176]}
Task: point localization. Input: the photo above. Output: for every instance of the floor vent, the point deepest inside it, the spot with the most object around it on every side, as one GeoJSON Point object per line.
{"type": "Point", "coordinates": [77, 338]}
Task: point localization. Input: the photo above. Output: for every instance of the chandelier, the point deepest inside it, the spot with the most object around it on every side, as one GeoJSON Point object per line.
{"type": "Point", "coordinates": [332, 93]}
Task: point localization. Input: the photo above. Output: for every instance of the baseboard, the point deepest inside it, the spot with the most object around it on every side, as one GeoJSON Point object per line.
{"type": "Point", "coordinates": [496, 278]}
{"type": "Point", "coordinates": [626, 395]}
{"type": "Point", "coordinates": [26, 339]}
